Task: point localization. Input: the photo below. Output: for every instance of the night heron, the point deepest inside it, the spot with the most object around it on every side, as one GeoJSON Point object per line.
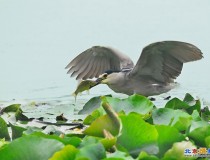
{"type": "Point", "coordinates": [154, 73]}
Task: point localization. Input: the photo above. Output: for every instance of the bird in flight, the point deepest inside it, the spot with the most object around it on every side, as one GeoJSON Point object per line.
{"type": "Point", "coordinates": [160, 63]}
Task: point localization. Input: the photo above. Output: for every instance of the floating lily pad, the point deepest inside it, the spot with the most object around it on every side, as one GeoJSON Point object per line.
{"type": "Point", "coordinates": [109, 122]}
{"type": "Point", "coordinates": [30, 148]}
{"type": "Point", "coordinates": [188, 98]}
{"type": "Point", "coordinates": [75, 141]}
{"type": "Point", "coordinates": [164, 142]}
{"type": "Point", "coordinates": [67, 153]}
{"type": "Point", "coordinates": [177, 151]}
{"type": "Point", "coordinates": [92, 151]}
{"type": "Point", "coordinates": [205, 113]}
{"type": "Point", "coordinates": [11, 108]}
{"type": "Point", "coordinates": [3, 130]}
{"type": "Point", "coordinates": [100, 124]}
{"type": "Point", "coordinates": [17, 131]}
{"type": "Point", "coordinates": [137, 135]}
{"type": "Point", "coordinates": [207, 141]}
{"type": "Point", "coordinates": [91, 105]}
{"type": "Point", "coordinates": [145, 156]}
{"type": "Point", "coordinates": [3, 142]}
{"type": "Point", "coordinates": [20, 116]}
{"type": "Point", "coordinates": [199, 131]}
{"type": "Point", "coordinates": [118, 129]}
{"type": "Point", "coordinates": [189, 104]}
{"type": "Point", "coordinates": [108, 143]}
{"type": "Point", "coordinates": [134, 103]}
{"type": "Point", "coordinates": [167, 116]}
{"type": "Point", "coordinates": [195, 116]}
{"type": "Point", "coordinates": [92, 117]}
{"type": "Point", "coordinates": [118, 155]}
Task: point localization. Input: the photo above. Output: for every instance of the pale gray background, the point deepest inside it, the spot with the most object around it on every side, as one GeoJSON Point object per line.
{"type": "Point", "coordinates": [39, 37]}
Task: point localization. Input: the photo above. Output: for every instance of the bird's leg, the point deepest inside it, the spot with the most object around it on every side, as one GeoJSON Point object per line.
{"type": "Point", "coordinates": [151, 98]}
{"type": "Point", "coordinates": [167, 98]}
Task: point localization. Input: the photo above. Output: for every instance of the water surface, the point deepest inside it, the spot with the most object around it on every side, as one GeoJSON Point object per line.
{"type": "Point", "coordinates": [39, 38]}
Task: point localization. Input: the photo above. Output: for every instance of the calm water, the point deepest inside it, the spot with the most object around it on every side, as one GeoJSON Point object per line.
{"type": "Point", "coordinates": [39, 38]}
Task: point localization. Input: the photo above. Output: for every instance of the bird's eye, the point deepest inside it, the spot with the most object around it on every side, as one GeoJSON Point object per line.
{"type": "Point", "coordinates": [105, 75]}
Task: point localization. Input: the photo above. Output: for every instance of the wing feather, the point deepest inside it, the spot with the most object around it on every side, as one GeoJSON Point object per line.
{"type": "Point", "coordinates": [163, 61]}
{"type": "Point", "coordinates": [96, 60]}
{"type": "Point", "coordinates": [83, 69]}
{"type": "Point", "coordinates": [94, 70]}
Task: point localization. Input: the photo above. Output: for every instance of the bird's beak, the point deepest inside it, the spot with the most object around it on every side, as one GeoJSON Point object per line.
{"type": "Point", "coordinates": [101, 79]}
{"type": "Point", "coordinates": [98, 81]}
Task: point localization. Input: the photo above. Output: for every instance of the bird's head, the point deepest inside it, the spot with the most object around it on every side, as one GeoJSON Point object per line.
{"type": "Point", "coordinates": [107, 78]}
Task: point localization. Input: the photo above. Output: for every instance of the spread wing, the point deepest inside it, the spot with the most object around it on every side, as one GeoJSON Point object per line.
{"type": "Point", "coordinates": [96, 60]}
{"type": "Point", "coordinates": [163, 61]}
